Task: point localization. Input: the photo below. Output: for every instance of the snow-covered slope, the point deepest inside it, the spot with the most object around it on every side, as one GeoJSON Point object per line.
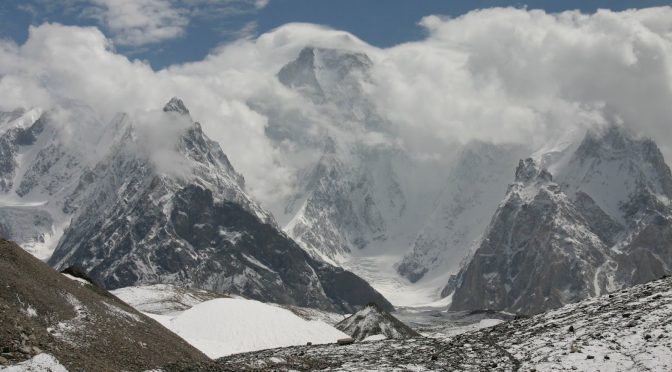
{"type": "Point", "coordinates": [173, 210]}
{"type": "Point", "coordinates": [163, 299]}
{"type": "Point", "coordinates": [227, 326]}
{"type": "Point", "coordinates": [168, 299]}
{"type": "Point", "coordinates": [602, 224]}
{"type": "Point", "coordinates": [351, 195]}
{"type": "Point", "coordinates": [41, 163]}
{"type": "Point", "coordinates": [40, 362]}
{"type": "Point", "coordinates": [612, 167]}
{"type": "Point", "coordinates": [374, 323]}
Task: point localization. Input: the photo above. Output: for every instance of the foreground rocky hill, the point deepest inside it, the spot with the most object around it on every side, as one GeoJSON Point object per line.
{"type": "Point", "coordinates": [84, 327]}
{"type": "Point", "coordinates": [626, 330]}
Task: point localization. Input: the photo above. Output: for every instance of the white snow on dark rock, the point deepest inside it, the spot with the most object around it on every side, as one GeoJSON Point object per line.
{"type": "Point", "coordinates": [373, 321]}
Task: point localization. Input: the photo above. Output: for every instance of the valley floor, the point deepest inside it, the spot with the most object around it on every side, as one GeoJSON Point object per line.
{"type": "Point", "coordinates": [630, 330]}
{"type": "Point", "coordinates": [379, 271]}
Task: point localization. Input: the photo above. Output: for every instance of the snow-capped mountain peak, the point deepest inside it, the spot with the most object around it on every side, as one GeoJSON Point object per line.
{"type": "Point", "coordinates": [613, 166]}
{"type": "Point", "coordinates": [599, 223]}
{"type": "Point", "coordinates": [176, 105]}
{"type": "Point", "coordinates": [322, 74]}
{"type": "Point", "coordinates": [529, 171]}
{"type": "Point", "coordinates": [138, 224]}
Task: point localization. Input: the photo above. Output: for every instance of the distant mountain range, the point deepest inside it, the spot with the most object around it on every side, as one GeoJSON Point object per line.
{"type": "Point", "coordinates": [133, 220]}
{"type": "Point", "coordinates": [130, 205]}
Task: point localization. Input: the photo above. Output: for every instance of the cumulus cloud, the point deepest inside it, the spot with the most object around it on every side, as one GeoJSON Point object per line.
{"type": "Point", "coordinates": [61, 63]}
{"type": "Point", "coordinates": [513, 75]}
{"type": "Point", "coordinates": [500, 75]}
{"type": "Point", "coordinates": [140, 22]}
{"type": "Point", "coordinates": [135, 23]}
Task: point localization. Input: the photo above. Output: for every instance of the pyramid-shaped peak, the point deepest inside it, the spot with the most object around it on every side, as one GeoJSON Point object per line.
{"type": "Point", "coordinates": [312, 59]}
{"type": "Point", "coordinates": [528, 170]}
{"type": "Point", "coordinates": [332, 57]}
{"type": "Point", "coordinates": [176, 105]}
{"type": "Point", "coordinates": [373, 322]}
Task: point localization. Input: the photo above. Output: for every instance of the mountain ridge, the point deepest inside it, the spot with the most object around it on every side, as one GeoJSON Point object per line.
{"type": "Point", "coordinates": [556, 240]}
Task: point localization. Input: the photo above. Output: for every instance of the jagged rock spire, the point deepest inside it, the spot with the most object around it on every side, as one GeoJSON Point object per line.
{"type": "Point", "coordinates": [528, 170]}
{"type": "Point", "coordinates": [176, 105]}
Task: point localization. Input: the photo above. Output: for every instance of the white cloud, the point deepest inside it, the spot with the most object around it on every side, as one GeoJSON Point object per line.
{"type": "Point", "coordinates": [140, 22]}
{"type": "Point", "coordinates": [527, 76]}
{"type": "Point", "coordinates": [502, 75]}
{"type": "Point", "coordinates": [259, 4]}
{"type": "Point", "coordinates": [135, 23]}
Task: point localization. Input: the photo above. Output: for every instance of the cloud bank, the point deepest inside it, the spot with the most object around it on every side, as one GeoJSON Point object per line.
{"type": "Point", "coordinates": [501, 75]}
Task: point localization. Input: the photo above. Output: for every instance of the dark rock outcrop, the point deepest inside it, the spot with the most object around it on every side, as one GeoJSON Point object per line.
{"type": "Point", "coordinates": [375, 321]}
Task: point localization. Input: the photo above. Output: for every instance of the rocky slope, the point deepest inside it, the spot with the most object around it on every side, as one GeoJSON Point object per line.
{"type": "Point", "coordinates": [626, 330]}
{"type": "Point", "coordinates": [190, 222]}
{"type": "Point", "coordinates": [82, 326]}
{"type": "Point", "coordinates": [600, 225]}
{"type": "Point", "coordinates": [374, 323]}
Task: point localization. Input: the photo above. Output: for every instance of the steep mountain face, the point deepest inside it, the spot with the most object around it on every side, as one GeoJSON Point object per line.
{"type": "Point", "coordinates": [40, 165]}
{"type": "Point", "coordinates": [334, 79]}
{"type": "Point", "coordinates": [362, 199]}
{"type": "Point", "coordinates": [472, 193]}
{"type": "Point", "coordinates": [348, 204]}
{"type": "Point", "coordinates": [602, 225]}
{"type": "Point", "coordinates": [351, 195]}
{"type": "Point", "coordinates": [372, 322]}
{"type": "Point", "coordinates": [367, 202]}
{"type": "Point", "coordinates": [83, 326]}
{"type": "Point", "coordinates": [191, 223]}
{"type": "Point", "coordinates": [538, 252]}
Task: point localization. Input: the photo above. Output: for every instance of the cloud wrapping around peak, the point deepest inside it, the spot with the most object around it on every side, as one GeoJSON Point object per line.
{"type": "Point", "coordinates": [500, 75]}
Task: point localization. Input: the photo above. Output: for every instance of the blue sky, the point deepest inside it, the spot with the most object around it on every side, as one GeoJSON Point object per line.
{"type": "Point", "coordinates": [197, 26]}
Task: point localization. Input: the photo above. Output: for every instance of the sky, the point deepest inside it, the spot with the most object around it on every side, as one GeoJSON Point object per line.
{"type": "Point", "coordinates": [190, 29]}
{"type": "Point", "coordinates": [441, 75]}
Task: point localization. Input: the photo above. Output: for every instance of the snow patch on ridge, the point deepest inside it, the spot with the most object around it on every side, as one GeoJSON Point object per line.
{"type": "Point", "coordinates": [40, 362]}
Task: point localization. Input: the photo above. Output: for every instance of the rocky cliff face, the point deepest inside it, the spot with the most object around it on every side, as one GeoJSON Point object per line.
{"type": "Point", "coordinates": [192, 224]}
{"type": "Point", "coordinates": [601, 225]}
